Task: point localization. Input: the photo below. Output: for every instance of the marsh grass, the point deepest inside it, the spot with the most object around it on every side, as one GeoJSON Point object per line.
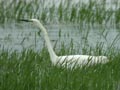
{"type": "Point", "coordinates": [29, 70]}
{"type": "Point", "coordinates": [66, 12]}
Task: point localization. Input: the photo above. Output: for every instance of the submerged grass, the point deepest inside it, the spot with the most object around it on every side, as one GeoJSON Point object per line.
{"type": "Point", "coordinates": [31, 70]}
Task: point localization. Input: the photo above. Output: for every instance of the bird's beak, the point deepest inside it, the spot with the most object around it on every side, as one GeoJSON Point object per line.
{"type": "Point", "coordinates": [25, 20]}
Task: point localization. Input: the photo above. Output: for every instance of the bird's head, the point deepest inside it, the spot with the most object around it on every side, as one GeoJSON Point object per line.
{"type": "Point", "coordinates": [34, 21]}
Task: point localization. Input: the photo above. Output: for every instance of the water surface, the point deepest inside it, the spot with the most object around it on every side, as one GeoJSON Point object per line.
{"type": "Point", "coordinates": [19, 36]}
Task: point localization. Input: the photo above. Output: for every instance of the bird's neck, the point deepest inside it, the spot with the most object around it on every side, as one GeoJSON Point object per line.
{"type": "Point", "coordinates": [53, 56]}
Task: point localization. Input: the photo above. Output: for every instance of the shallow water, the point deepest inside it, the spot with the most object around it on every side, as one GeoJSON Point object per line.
{"type": "Point", "coordinates": [19, 36]}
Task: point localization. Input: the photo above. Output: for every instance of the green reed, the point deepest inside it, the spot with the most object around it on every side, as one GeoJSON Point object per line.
{"type": "Point", "coordinates": [66, 12]}
{"type": "Point", "coordinates": [33, 70]}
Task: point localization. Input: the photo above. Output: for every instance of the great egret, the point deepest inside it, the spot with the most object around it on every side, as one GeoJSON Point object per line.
{"type": "Point", "coordinates": [68, 61]}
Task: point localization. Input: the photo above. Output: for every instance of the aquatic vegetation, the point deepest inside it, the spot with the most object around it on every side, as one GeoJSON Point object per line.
{"type": "Point", "coordinates": [64, 11]}
{"type": "Point", "coordinates": [33, 70]}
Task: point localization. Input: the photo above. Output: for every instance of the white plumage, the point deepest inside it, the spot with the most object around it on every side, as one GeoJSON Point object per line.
{"type": "Point", "coordinates": [73, 61]}
{"type": "Point", "coordinates": [70, 61]}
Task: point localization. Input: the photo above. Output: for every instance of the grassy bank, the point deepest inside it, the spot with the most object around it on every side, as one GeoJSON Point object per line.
{"type": "Point", "coordinates": [31, 70]}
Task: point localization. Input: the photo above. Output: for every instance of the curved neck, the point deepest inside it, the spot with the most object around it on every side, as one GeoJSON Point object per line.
{"type": "Point", "coordinates": [53, 56]}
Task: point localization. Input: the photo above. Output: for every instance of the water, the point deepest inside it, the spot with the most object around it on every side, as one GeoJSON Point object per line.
{"type": "Point", "coordinates": [19, 36]}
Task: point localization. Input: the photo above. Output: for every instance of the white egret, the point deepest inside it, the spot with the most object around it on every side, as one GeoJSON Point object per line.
{"type": "Point", "coordinates": [68, 61]}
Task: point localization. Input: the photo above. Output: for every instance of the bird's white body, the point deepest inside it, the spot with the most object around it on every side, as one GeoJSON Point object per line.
{"type": "Point", "coordinates": [73, 61]}
{"type": "Point", "coordinates": [69, 61]}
